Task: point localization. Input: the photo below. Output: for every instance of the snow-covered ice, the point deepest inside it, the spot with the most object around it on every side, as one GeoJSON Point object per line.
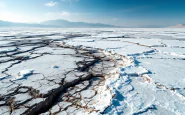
{"type": "Point", "coordinates": [92, 71]}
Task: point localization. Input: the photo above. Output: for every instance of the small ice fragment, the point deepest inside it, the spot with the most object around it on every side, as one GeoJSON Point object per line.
{"type": "Point", "coordinates": [136, 71]}
{"type": "Point", "coordinates": [23, 74]}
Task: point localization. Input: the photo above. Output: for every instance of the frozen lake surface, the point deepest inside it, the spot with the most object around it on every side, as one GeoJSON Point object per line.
{"type": "Point", "coordinates": [92, 71]}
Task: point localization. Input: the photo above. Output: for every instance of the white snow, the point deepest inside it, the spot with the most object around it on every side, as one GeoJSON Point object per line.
{"type": "Point", "coordinates": [136, 71]}
{"type": "Point", "coordinates": [158, 58]}
{"type": "Point", "coordinates": [87, 93]}
{"type": "Point", "coordinates": [23, 73]}
{"type": "Point", "coordinates": [151, 83]}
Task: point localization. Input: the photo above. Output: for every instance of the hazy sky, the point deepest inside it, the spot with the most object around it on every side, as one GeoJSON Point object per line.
{"type": "Point", "coordinates": [117, 12]}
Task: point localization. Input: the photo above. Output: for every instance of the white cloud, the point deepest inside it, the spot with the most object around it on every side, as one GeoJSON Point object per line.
{"type": "Point", "coordinates": [64, 13]}
{"type": "Point", "coordinates": [51, 4]}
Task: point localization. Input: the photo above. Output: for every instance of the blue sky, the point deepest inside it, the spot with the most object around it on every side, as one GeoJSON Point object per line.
{"type": "Point", "coordinates": [128, 13]}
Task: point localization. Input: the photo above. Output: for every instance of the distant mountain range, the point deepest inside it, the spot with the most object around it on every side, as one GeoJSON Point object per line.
{"type": "Point", "coordinates": [57, 23]}
{"type": "Point", "coordinates": [178, 26]}
{"type": "Point", "coordinates": [67, 24]}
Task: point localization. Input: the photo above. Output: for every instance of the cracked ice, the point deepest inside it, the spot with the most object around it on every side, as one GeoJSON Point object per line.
{"type": "Point", "coordinates": [92, 71]}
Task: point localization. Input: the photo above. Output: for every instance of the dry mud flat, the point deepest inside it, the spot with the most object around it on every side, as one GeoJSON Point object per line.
{"type": "Point", "coordinates": [92, 71]}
